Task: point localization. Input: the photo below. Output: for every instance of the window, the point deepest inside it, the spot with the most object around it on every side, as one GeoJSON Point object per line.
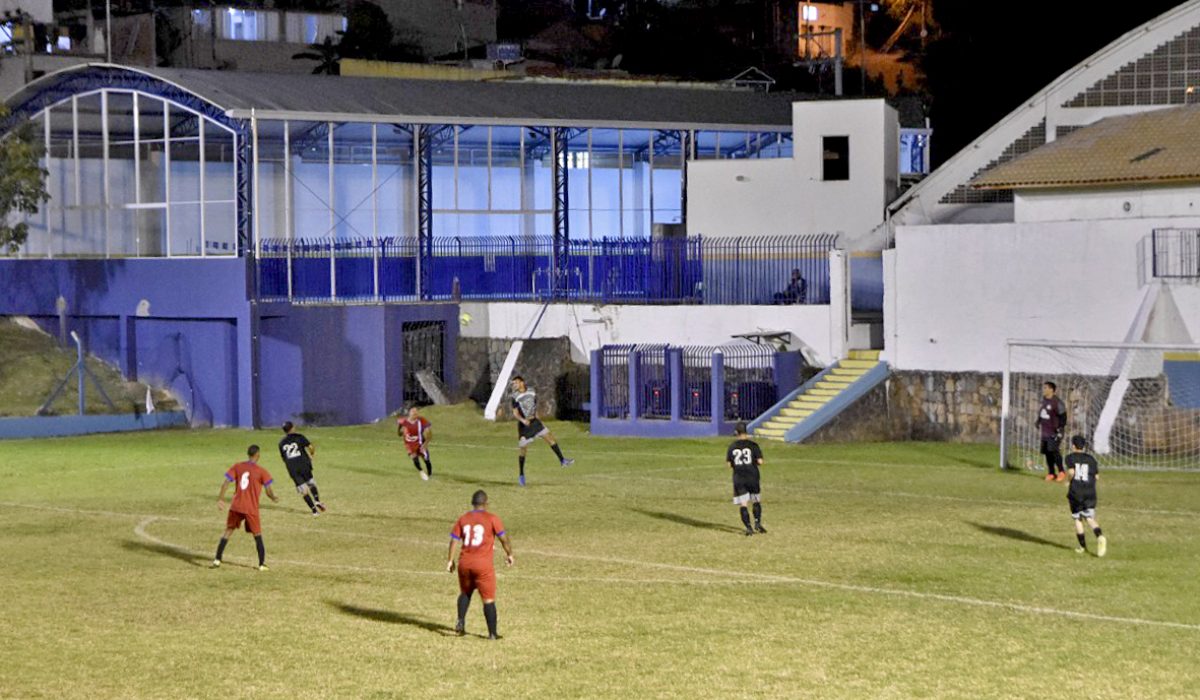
{"type": "Point", "coordinates": [835, 158]}
{"type": "Point", "coordinates": [808, 13]}
{"type": "Point", "coordinates": [249, 25]}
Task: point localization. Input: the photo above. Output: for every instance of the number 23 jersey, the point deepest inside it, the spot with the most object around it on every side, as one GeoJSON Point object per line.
{"type": "Point", "coordinates": [744, 455]}
{"type": "Point", "coordinates": [477, 531]}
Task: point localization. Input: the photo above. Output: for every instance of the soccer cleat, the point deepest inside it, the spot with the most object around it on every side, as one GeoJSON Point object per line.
{"type": "Point", "coordinates": [1101, 546]}
{"type": "Point", "coordinates": [760, 529]}
{"type": "Point", "coordinates": [521, 480]}
{"type": "Point", "coordinates": [216, 564]}
{"type": "Point", "coordinates": [1061, 476]}
{"type": "Point", "coordinates": [424, 476]}
{"type": "Point", "coordinates": [1080, 550]}
{"type": "Point", "coordinates": [263, 567]}
{"type": "Point", "coordinates": [460, 628]}
{"type": "Point", "coordinates": [567, 462]}
{"type": "Point", "coordinates": [749, 532]}
{"type": "Point", "coordinates": [1049, 477]}
{"type": "Point", "coordinates": [493, 636]}
{"type": "Point", "coordinates": [320, 506]}
{"type": "Point", "coordinates": [316, 512]}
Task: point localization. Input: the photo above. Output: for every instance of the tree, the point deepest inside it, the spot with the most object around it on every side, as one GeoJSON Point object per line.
{"type": "Point", "coordinates": [369, 32]}
{"type": "Point", "coordinates": [22, 182]}
{"type": "Point", "coordinates": [327, 54]}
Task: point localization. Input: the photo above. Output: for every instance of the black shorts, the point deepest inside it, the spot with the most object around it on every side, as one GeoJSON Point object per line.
{"type": "Point", "coordinates": [1049, 446]}
{"type": "Point", "coordinates": [1081, 503]}
{"type": "Point", "coordinates": [528, 433]}
{"type": "Point", "coordinates": [301, 474]}
{"type": "Point", "coordinates": [743, 485]}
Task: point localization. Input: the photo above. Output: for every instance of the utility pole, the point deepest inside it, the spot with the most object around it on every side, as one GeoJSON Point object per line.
{"type": "Point", "coordinates": [862, 45]}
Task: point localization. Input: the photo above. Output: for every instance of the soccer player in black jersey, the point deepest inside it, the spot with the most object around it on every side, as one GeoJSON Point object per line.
{"type": "Point", "coordinates": [1082, 471]}
{"type": "Point", "coordinates": [297, 453]}
{"type": "Point", "coordinates": [744, 457]}
{"type": "Point", "coordinates": [529, 428]}
{"type": "Point", "coordinates": [1052, 422]}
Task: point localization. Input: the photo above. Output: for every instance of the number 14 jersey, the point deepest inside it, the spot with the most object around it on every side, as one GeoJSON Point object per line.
{"type": "Point", "coordinates": [477, 530]}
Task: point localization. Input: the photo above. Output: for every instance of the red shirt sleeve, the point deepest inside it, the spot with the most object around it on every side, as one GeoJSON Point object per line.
{"type": "Point", "coordinates": [229, 475]}
{"type": "Point", "coordinates": [266, 477]}
{"type": "Point", "coordinates": [455, 529]}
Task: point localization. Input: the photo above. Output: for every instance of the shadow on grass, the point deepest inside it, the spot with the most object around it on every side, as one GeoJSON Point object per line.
{"type": "Point", "coordinates": [391, 617]}
{"type": "Point", "coordinates": [455, 479]}
{"type": "Point", "coordinates": [373, 472]}
{"type": "Point", "coordinates": [181, 555]}
{"type": "Point", "coordinates": [1018, 535]}
{"type": "Point", "coordinates": [685, 520]}
{"type": "Point", "coordinates": [949, 456]}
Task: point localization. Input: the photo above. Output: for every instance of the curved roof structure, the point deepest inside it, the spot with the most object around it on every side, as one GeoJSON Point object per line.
{"type": "Point", "coordinates": [238, 95]}
{"type": "Point", "coordinates": [1147, 148]}
{"type": "Point", "coordinates": [1148, 68]}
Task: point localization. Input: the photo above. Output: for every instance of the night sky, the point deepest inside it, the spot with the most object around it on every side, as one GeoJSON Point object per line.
{"type": "Point", "coordinates": [994, 55]}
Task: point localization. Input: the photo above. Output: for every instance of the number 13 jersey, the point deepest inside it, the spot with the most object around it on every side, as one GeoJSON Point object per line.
{"type": "Point", "coordinates": [477, 530]}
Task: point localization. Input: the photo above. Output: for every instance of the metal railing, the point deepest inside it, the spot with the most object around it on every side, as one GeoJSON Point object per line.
{"type": "Point", "coordinates": [696, 270]}
{"type": "Point", "coordinates": [1175, 253]}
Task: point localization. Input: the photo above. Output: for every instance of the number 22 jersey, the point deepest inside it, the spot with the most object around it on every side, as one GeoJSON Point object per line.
{"type": "Point", "coordinates": [477, 530]}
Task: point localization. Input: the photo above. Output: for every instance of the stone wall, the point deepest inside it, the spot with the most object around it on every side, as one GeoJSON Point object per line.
{"type": "Point", "coordinates": [943, 406]}
{"type": "Point", "coordinates": [561, 385]}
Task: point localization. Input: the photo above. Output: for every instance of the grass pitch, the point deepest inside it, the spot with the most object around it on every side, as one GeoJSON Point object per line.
{"type": "Point", "coordinates": [897, 570]}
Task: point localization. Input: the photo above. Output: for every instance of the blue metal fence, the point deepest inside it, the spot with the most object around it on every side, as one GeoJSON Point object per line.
{"type": "Point", "coordinates": [696, 270]}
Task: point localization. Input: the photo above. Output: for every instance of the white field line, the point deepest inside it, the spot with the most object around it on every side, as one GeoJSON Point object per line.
{"type": "Point", "coordinates": [735, 577]}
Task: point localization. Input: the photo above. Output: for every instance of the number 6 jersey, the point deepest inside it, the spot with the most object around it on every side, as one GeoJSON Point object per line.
{"type": "Point", "coordinates": [477, 530]}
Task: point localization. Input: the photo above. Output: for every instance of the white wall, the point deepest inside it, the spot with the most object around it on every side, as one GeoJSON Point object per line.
{"type": "Point", "coordinates": [590, 327]}
{"type": "Point", "coordinates": [1142, 202]}
{"type": "Point", "coordinates": [787, 196]}
{"type": "Point", "coordinates": [962, 290]}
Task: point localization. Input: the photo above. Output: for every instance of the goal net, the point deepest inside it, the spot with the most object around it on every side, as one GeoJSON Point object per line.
{"type": "Point", "coordinates": [1138, 405]}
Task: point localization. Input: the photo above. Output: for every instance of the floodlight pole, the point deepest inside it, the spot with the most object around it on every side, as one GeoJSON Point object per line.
{"type": "Point", "coordinates": [108, 31]}
{"type": "Point", "coordinates": [862, 45]}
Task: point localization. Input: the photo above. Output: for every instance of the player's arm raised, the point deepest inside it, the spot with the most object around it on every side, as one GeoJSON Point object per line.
{"type": "Point", "coordinates": [507, 544]}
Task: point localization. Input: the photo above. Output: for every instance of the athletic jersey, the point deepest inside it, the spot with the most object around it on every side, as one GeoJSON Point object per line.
{"type": "Point", "coordinates": [744, 455]}
{"type": "Point", "coordinates": [414, 430]}
{"type": "Point", "coordinates": [477, 530]}
{"type": "Point", "coordinates": [1083, 484]}
{"type": "Point", "coordinates": [526, 403]}
{"type": "Point", "coordinates": [292, 448]}
{"type": "Point", "coordinates": [248, 479]}
{"type": "Point", "coordinates": [1052, 417]}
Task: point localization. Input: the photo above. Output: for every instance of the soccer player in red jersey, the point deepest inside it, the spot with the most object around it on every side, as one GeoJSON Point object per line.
{"type": "Point", "coordinates": [248, 479]}
{"type": "Point", "coordinates": [475, 534]}
{"type": "Point", "coordinates": [415, 430]}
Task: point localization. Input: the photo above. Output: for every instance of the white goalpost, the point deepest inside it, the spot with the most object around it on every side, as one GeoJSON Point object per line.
{"type": "Point", "coordinates": [1137, 404]}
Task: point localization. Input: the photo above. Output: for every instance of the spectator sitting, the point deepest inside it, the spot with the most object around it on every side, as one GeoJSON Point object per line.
{"type": "Point", "coordinates": [796, 292]}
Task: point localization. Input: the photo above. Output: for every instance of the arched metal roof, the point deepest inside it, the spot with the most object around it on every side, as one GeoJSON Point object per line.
{"type": "Point", "coordinates": [236, 95]}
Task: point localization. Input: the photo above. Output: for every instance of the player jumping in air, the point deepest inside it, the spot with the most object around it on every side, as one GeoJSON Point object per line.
{"type": "Point", "coordinates": [1051, 422]}
{"type": "Point", "coordinates": [475, 534]}
{"type": "Point", "coordinates": [1082, 470]}
{"type": "Point", "coordinates": [415, 429]}
{"type": "Point", "coordinates": [248, 479]}
{"type": "Point", "coordinates": [529, 428]}
{"type": "Point", "coordinates": [297, 453]}
{"type": "Point", "coordinates": [744, 457]}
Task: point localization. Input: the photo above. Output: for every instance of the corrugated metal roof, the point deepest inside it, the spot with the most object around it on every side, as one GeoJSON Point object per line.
{"type": "Point", "coordinates": [524, 102]}
{"type": "Point", "coordinates": [1157, 146]}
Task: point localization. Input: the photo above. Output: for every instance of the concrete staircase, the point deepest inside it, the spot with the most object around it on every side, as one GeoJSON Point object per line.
{"type": "Point", "coordinates": [822, 398]}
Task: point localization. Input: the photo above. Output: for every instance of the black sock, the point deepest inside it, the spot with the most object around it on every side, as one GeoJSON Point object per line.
{"type": "Point", "coordinates": [308, 499]}
{"type": "Point", "coordinates": [416, 464]}
{"type": "Point", "coordinates": [1082, 541]}
{"type": "Point", "coordinates": [464, 602]}
{"type": "Point", "coordinates": [221, 548]}
{"type": "Point", "coordinates": [429, 467]}
{"type": "Point", "coordinates": [557, 451]}
{"type": "Point", "coordinates": [489, 614]}
{"type": "Point", "coordinates": [757, 513]}
{"type": "Point", "coordinates": [262, 551]}
{"type": "Point", "coordinates": [312, 488]}
{"type": "Point", "coordinates": [521, 462]}
{"type": "Point", "coordinates": [1097, 531]}
{"type": "Point", "coordinates": [745, 517]}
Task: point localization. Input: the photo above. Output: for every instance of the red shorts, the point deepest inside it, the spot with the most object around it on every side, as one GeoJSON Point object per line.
{"type": "Point", "coordinates": [472, 579]}
{"type": "Point", "coordinates": [416, 448]}
{"type": "Point", "coordinates": [253, 526]}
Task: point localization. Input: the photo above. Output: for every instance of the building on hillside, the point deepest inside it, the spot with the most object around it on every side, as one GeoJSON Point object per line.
{"type": "Point", "coordinates": [238, 38]}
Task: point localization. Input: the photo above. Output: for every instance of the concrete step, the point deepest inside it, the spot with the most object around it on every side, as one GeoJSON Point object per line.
{"type": "Point", "coordinates": [771, 433]}
{"type": "Point", "coordinates": [795, 412]}
{"type": "Point", "coordinates": [780, 423]}
{"type": "Point", "coordinates": [858, 364]}
{"type": "Point", "coordinates": [828, 393]}
{"type": "Point", "coordinates": [846, 372]}
{"type": "Point", "coordinates": [872, 355]}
